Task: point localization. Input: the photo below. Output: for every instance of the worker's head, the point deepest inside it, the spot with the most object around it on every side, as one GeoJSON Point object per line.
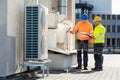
{"type": "Point", "coordinates": [84, 16]}
{"type": "Point", "coordinates": [97, 20]}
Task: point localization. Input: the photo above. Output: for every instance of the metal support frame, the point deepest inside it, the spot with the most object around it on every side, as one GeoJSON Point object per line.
{"type": "Point", "coordinates": [44, 64]}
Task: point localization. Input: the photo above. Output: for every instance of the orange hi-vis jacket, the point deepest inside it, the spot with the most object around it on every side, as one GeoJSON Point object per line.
{"type": "Point", "coordinates": [84, 29]}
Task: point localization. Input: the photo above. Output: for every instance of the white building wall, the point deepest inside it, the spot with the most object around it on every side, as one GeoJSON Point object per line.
{"type": "Point", "coordinates": [3, 20]}
{"type": "Point", "coordinates": [11, 36]}
{"type": "Point", "coordinates": [115, 7]}
{"type": "Point", "coordinates": [104, 6]}
{"type": "Point", "coordinates": [15, 27]}
{"type": "Point", "coordinates": [100, 6]}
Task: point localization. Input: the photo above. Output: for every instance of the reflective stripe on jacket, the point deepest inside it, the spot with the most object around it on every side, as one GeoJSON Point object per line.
{"type": "Point", "coordinates": [99, 34]}
{"type": "Point", "coordinates": [84, 30]}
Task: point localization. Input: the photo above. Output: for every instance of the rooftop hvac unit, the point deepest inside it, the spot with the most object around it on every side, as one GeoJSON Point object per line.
{"type": "Point", "coordinates": [36, 32]}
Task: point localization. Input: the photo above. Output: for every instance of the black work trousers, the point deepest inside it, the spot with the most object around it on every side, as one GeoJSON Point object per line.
{"type": "Point", "coordinates": [82, 46]}
{"type": "Point", "coordinates": [98, 55]}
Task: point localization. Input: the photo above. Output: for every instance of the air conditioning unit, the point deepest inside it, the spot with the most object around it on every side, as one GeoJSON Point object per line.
{"type": "Point", "coordinates": [36, 32]}
{"type": "Point", "coordinates": [52, 20]}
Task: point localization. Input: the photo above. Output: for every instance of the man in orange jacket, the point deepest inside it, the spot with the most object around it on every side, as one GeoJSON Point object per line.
{"type": "Point", "coordinates": [85, 33]}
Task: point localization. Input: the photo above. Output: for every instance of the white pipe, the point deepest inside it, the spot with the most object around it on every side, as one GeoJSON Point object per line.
{"type": "Point", "coordinates": [37, 2]}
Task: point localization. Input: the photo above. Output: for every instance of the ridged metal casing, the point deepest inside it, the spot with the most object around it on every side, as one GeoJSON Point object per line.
{"type": "Point", "coordinates": [33, 32]}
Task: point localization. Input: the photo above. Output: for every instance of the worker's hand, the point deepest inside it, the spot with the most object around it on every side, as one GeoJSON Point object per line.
{"type": "Point", "coordinates": [90, 35]}
{"type": "Point", "coordinates": [91, 45]}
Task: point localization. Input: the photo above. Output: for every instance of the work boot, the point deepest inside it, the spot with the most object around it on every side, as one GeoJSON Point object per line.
{"type": "Point", "coordinates": [85, 68]}
{"type": "Point", "coordinates": [97, 69]}
{"type": "Point", "coordinates": [78, 67]}
{"type": "Point", "coordinates": [94, 69]}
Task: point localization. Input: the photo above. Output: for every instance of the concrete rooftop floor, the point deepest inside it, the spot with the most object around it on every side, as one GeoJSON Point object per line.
{"type": "Point", "coordinates": [111, 71]}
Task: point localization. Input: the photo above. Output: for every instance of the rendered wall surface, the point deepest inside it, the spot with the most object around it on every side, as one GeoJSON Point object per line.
{"type": "Point", "coordinates": [15, 28]}
{"type": "Point", "coordinates": [3, 27]}
{"type": "Point", "coordinates": [11, 33]}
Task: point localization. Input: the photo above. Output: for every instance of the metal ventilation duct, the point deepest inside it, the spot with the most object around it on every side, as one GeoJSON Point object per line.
{"type": "Point", "coordinates": [63, 6]}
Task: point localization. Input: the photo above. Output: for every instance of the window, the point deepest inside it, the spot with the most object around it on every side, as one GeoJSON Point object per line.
{"type": "Point", "coordinates": [108, 28]}
{"type": "Point", "coordinates": [113, 28]}
{"type": "Point", "coordinates": [108, 17]}
{"type": "Point", "coordinates": [118, 28]}
{"type": "Point", "coordinates": [108, 42]}
{"type": "Point", "coordinates": [103, 16]}
{"type": "Point", "coordinates": [118, 43]}
{"type": "Point", "coordinates": [119, 17]}
{"type": "Point", "coordinates": [113, 17]}
{"type": "Point", "coordinates": [113, 42]}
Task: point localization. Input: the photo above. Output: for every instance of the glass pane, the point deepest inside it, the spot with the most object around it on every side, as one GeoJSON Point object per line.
{"type": "Point", "coordinates": [108, 28]}
{"type": "Point", "coordinates": [108, 42]}
{"type": "Point", "coordinates": [118, 43]}
{"type": "Point", "coordinates": [113, 28]}
{"type": "Point", "coordinates": [118, 28]}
